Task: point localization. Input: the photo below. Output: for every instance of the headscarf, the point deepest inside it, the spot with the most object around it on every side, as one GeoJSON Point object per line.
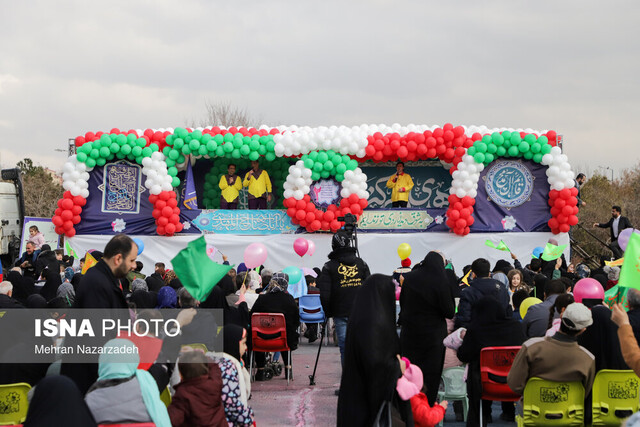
{"type": "Point", "coordinates": [601, 339]}
{"type": "Point", "coordinates": [502, 278]}
{"type": "Point", "coordinates": [66, 292]}
{"type": "Point", "coordinates": [139, 284]}
{"type": "Point", "coordinates": [176, 284]}
{"type": "Point", "coordinates": [124, 365]}
{"type": "Point", "coordinates": [241, 267]}
{"type": "Point", "coordinates": [58, 401]}
{"type": "Point", "coordinates": [279, 283]}
{"type": "Point", "coordinates": [36, 301]}
{"type": "Point", "coordinates": [431, 270]}
{"type": "Point", "coordinates": [371, 368]}
{"type": "Point", "coordinates": [216, 299]}
{"type": "Point", "coordinates": [233, 334]}
{"type": "Point", "coordinates": [68, 273]}
{"type": "Point", "coordinates": [22, 286]}
{"type": "Point", "coordinates": [169, 275]}
{"type": "Point", "coordinates": [255, 280]}
{"type": "Point", "coordinates": [144, 299]}
{"type": "Point", "coordinates": [502, 266]}
{"type": "Point", "coordinates": [167, 297]}
{"type": "Point", "coordinates": [227, 285]}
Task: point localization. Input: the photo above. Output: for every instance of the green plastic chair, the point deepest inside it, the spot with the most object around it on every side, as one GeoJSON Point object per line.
{"type": "Point", "coordinates": [13, 403]}
{"type": "Point", "coordinates": [551, 403]}
{"type": "Point", "coordinates": [455, 388]}
{"type": "Point", "coordinates": [615, 396]}
{"type": "Point", "coordinates": [165, 396]}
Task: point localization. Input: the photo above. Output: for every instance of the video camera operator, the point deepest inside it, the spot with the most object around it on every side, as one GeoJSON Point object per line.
{"type": "Point", "coordinates": [339, 282]}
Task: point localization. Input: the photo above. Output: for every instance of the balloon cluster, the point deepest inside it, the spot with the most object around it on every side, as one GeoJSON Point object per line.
{"type": "Point", "coordinates": [510, 144]}
{"type": "Point", "coordinates": [294, 140]}
{"type": "Point", "coordinates": [302, 247]}
{"type": "Point", "coordinates": [75, 177]}
{"type": "Point", "coordinates": [68, 213]}
{"type": "Point", "coordinates": [155, 169]}
{"type": "Point", "coordinates": [94, 150]}
{"type": "Point", "coordinates": [404, 250]}
{"type": "Point", "coordinates": [324, 164]}
{"type": "Point", "coordinates": [277, 170]}
{"type": "Point", "coordinates": [564, 209]}
{"type": "Point", "coordinates": [459, 214]}
{"type": "Point", "coordinates": [166, 213]}
{"type": "Point", "coordinates": [465, 178]}
{"type": "Point", "coordinates": [447, 143]}
{"type": "Point", "coordinates": [305, 213]}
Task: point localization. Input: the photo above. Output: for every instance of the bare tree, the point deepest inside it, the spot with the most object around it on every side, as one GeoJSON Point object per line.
{"type": "Point", "coordinates": [41, 191]}
{"type": "Point", "coordinates": [225, 114]}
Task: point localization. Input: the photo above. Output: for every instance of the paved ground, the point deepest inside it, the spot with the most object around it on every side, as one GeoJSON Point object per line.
{"type": "Point", "coordinates": [299, 404]}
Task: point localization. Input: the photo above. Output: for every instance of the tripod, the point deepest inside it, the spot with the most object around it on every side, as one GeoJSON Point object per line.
{"type": "Point", "coordinates": [312, 377]}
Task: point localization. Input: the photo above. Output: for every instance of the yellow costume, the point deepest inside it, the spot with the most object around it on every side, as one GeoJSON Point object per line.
{"type": "Point", "coordinates": [230, 192]}
{"type": "Point", "coordinates": [404, 181]}
{"type": "Point", "coordinates": [258, 187]}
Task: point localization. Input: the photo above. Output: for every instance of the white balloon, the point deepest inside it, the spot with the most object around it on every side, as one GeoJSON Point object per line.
{"type": "Point", "coordinates": [67, 184]}
{"type": "Point", "coordinates": [156, 189]}
{"type": "Point", "coordinates": [167, 187]}
{"type": "Point", "coordinates": [287, 193]}
{"type": "Point", "coordinates": [298, 194]}
{"type": "Point", "coordinates": [461, 193]}
{"type": "Point", "coordinates": [146, 162]}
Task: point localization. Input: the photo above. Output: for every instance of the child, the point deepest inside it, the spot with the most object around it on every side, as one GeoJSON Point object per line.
{"type": "Point", "coordinates": [36, 237]}
{"type": "Point", "coordinates": [198, 398]}
{"type": "Point", "coordinates": [409, 388]}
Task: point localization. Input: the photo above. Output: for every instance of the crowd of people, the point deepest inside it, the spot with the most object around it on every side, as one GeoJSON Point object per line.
{"type": "Point", "coordinates": [392, 361]}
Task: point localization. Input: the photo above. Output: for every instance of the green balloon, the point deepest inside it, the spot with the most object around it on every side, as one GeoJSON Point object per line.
{"type": "Point", "coordinates": [120, 156]}
{"type": "Point", "coordinates": [228, 137]}
{"type": "Point", "coordinates": [136, 151]}
{"type": "Point", "coordinates": [181, 132]}
{"type": "Point", "coordinates": [245, 150]}
{"type": "Point", "coordinates": [105, 141]}
{"type": "Point", "coordinates": [178, 143]}
{"type": "Point", "coordinates": [181, 159]}
{"type": "Point", "coordinates": [546, 149]}
{"type": "Point", "coordinates": [513, 151]}
{"type": "Point", "coordinates": [528, 155]}
{"type": "Point", "coordinates": [82, 157]}
{"type": "Point", "coordinates": [114, 147]}
{"type": "Point", "coordinates": [524, 147]}
{"type": "Point", "coordinates": [154, 147]}
{"type": "Point", "coordinates": [132, 137]}
{"type": "Point", "coordinates": [536, 147]}
{"type": "Point", "coordinates": [141, 142]}
{"type": "Point", "coordinates": [325, 174]}
{"type": "Point", "coordinates": [530, 138]}
{"type": "Point", "coordinates": [237, 143]}
{"type": "Point", "coordinates": [111, 156]}
{"type": "Point", "coordinates": [339, 177]}
{"type": "Point", "coordinates": [101, 161]}
{"type": "Point", "coordinates": [121, 139]}
{"type": "Point", "coordinates": [262, 150]}
{"type": "Point", "coordinates": [479, 157]}
{"type": "Point", "coordinates": [175, 181]}
{"type": "Point", "coordinates": [173, 154]}
{"type": "Point", "coordinates": [318, 167]}
{"type": "Point", "coordinates": [254, 155]}
{"type": "Point", "coordinates": [352, 164]}
{"type": "Point", "coordinates": [173, 171]}
{"type": "Point", "coordinates": [194, 145]}
{"type": "Point", "coordinates": [203, 150]}
{"type": "Point", "coordinates": [169, 139]}
{"type": "Point", "coordinates": [501, 151]}
{"type": "Point", "coordinates": [492, 148]}
{"type": "Point", "coordinates": [486, 139]}
{"type": "Point", "coordinates": [537, 158]}
{"type": "Point", "coordinates": [94, 154]}
{"type": "Point", "coordinates": [196, 134]}
{"type": "Point", "coordinates": [481, 147]}
{"type": "Point", "coordinates": [166, 151]}
{"type": "Point", "coordinates": [308, 163]}
{"type": "Point", "coordinates": [186, 149]}
{"type": "Point", "coordinates": [218, 138]}
{"type": "Point", "coordinates": [488, 158]}
{"type": "Point", "coordinates": [497, 138]}
{"type": "Point", "coordinates": [515, 138]}
{"type": "Point", "coordinates": [236, 154]}
{"type": "Point", "coordinates": [146, 152]}
{"type": "Point", "coordinates": [543, 139]}
{"type": "Point", "coordinates": [341, 169]}
{"type": "Point", "coordinates": [254, 144]}
{"type": "Point", "coordinates": [328, 166]}
{"type": "Point", "coordinates": [506, 135]}
{"type": "Point", "coordinates": [170, 162]}
{"type": "Point", "coordinates": [91, 163]}
{"type": "Point", "coordinates": [220, 151]}
{"type": "Point", "coordinates": [211, 145]}
{"type": "Point", "coordinates": [315, 176]}
{"type": "Point", "coordinates": [104, 151]}
{"type": "Point", "coordinates": [228, 147]}
{"type": "Point", "coordinates": [126, 150]}
{"type": "Point", "coordinates": [471, 151]}
{"type": "Point", "coordinates": [271, 146]}
{"type": "Point", "coordinates": [322, 157]}
{"type": "Point", "coordinates": [270, 157]}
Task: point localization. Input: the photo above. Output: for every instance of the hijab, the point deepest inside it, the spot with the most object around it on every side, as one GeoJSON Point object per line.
{"type": "Point", "coordinates": [124, 364]}
{"type": "Point", "coordinates": [167, 297]}
{"type": "Point", "coordinates": [36, 301]}
{"type": "Point", "coordinates": [279, 283]}
{"type": "Point", "coordinates": [144, 299]}
{"type": "Point", "coordinates": [255, 280]}
{"type": "Point", "coordinates": [232, 336]}
{"type": "Point", "coordinates": [139, 285]}
{"type": "Point", "coordinates": [57, 401]}
{"type": "Point", "coordinates": [430, 272]}
{"type": "Point", "coordinates": [601, 339]}
{"type": "Point", "coordinates": [67, 293]}
{"type": "Point", "coordinates": [216, 299]}
{"type": "Point", "coordinates": [227, 285]}
{"type": "Point", "coordinates": [22, 286]}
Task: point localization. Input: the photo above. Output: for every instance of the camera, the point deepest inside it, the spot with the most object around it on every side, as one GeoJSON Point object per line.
{"type": "Point", "coordinates": [350, 223]}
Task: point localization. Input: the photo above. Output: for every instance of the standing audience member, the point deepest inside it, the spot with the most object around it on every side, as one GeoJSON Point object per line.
{"type": "Point", "coordinates": [155, 281]}
{"type": "Point", "coordinates": [426, 303]}
{"type": "Point", "coordinates": [556, 311]}
{"type": "Point", "coordinates": [57, 401]}
{"type": "Point", "coordinates": [616, 223]}
{"type": "Point", "coordinates": [372, 363]}
{"type": "Point", "coordinates": [490, 326]}
{"type": "Point", "coordinates": [536, 321]}
{"type": "Point", "coordinates": [558, 358]}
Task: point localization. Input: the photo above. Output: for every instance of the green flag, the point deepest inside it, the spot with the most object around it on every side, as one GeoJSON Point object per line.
{"type": "Point", "coordinates": [617, 294]}
{"type": "Point", "coordinates": [69, 249]}
{"type": "Point", "coordinates": [197, 272]}
{"type": "Point", "coordinates": [552, 252]}
{"type": "Point", "coordinates": [630, 271]}
{"type": "Point", "coordinates": [501, 246]}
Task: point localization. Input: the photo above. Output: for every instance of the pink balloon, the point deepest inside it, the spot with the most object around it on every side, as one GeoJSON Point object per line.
{"type": "Point", "coordinates": [312, 247]}
{"type": "Point", "coordinates": [255, 255]}
{"type": "Point", "coordinates": [624, 236]}
{"type": "Point", "coordinates": [300, 246]}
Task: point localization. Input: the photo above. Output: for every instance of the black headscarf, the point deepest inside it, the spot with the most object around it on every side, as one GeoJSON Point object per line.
{"type": "Point", "coordinates": [227, 285]}
{"type": "Point", "coordinates": [371, 368]}
{"type": "Point", "coordinates": [175, 284]}
{"type": "Point", "coordinates": [144, 299]}
{"type": "Point", "coordinates": [429, 270]}
{"type": "Point", "coordinates": [232, 336]}
{"type": "Point", "coordinates": [216, 299]}
{"type": "Point", "coordinates": [22, 286]}
{"type": "Point", "coordinates": [36, 301]}
{"type": "Point", "coordinates": [601, 339]}
{"type": "Point", "coordinates": [51, 274]}
{"type": "Point", "coordinates": [57, 401]}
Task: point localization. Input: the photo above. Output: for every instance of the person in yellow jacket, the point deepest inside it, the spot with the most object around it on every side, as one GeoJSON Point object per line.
{"type": "Point", "coordinates": [401, 183]}
{"type": "Point", "coordinates": [259, 186]}
{"type": "Point", "coordinates": [230, 184]}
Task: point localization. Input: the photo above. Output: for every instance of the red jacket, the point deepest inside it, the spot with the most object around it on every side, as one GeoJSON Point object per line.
{"type": "Point", "coordinates": [423, 414]}
{"type": "Point", "coordinates": [198, 401]}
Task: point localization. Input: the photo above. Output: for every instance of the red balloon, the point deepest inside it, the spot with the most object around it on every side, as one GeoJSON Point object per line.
{"type": "Point", "coordinates": [310, 207]}
{"type": "Point", "coordinates": [291, 212]}
{"type": "Point", "coordinates": [562, 219]}
{"type": "Point", "coordinates": [59, 230]}
{"type": "Point", "coordinates": [573, 220]}
{"type": "Point", "coordinates": [79, 201]}
{"type": "Point", "coordinates": [461, 223]}
{"type": "Point", "coordinates": [70, 233]}
{"type": "Point", "coordinates": [76, 219]}
{"type": "Point", "coordinates": [179, 227]}
{"type": "Point", "coordinates": [301, 205]}
{"type": "Point", "coordinates": [156, 213]}
{"type": "Point", "coordinates": [564, 228]}
{"type": "Point", "coordinates": [160, 230]}
{"type": "Point", "coordinates": [459, 231]}
{"type": "Point", "coordinates": [301, 214]}
{"type": "Point", "coordinates": [160, 204]}
{"type": "Point", "coordinates": [572, 201]}
{"type": "Point", "coordinates": [162, 221]}
{"type": "Point", "coordinates": [412, 146]}
{"type": "Point", "coordinates": [574, 191]}
{"type": "Point", "coordinates": [60, 203]}
{"type": "Point", "coordinates": [450, 223]}
{"type": "Point", "coordinates": [324, 225]}
{"type": "Point", "coordinates": [170, 228]}
{"type": "Point", "coordinates": [66, 215]}
{"type": "Point", "coordinates": [176, 211]}
{"type": "Point", "coordinates": [334, 224]}
{"type": "Point", "coordinates": [356, 209]}
{"type": "Point", "coordinates": [306, 198]}
{"type": "Point", "coordinates": [172, 194]}
{"type": "Point", "coordinates": [454, 214]}
{"type": "Point", "coordinates": [565, 194]}
{"type": "Point", "coordinates": [164, 195]}
{"type": "Point", "coordinates": [353, 199]}
{"type": "Point", "coordinates": [553, 224]}
{"type": "Point", "coordinates": [310, 217]}
{"type": "Point", "coordinates": [448, 135]}
{"type": "Point", "coordinates": [468, 201]}
{"type": "Point", "coordinates": [402, 152]}
{"type": "Point", "coordinates": [315, 225]}
{"type": "Point", "coordinates": [68, 225]}
{"type": "Point", "coordinates": [167, 211]}
{"type": "Point", "coordinates": [318, 215]}
{"type": "Point", "coordinates": [152, 198]}
{"type": "Point", "coordinates": [458, 206]}
{"type": "Point", "coordinates": [172, 203]}
{"type": "Point", "coordinates": [58, 211]}
{"type": "Point", "coordinates": [67, 195]}
{"type": "Point", "coordinates": [363, 203]}
{"type": "Point", "coordinates": [175, 219]}
{"type": "Point", "coordinates": [567, 210]}
{"type": "Point", "coordinates": [77, 210]}
{"type": "Point", "coordinates": [57, 221]}
{"type": "Point", "coordinates": [470, 222]}
{"type": "Point", "coordinates": [328, 216]}
{"type": "Point", "coordinates": [560, 203]}
{"type": "Point", "coordinates": [554, 211]}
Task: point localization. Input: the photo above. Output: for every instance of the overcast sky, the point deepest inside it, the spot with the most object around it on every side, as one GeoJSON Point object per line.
{"type": "Point", "coordinates": [70, 67]}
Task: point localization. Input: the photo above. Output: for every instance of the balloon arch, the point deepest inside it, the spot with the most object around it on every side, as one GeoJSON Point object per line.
{"type": "Point", "coordinates": [322, 152]}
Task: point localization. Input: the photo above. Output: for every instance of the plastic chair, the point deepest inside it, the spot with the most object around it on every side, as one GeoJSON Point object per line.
{"type": "Point", "coordinates": [311, 310]}
{"type": "Point", "coordinates": [197, 346]}
{"type": "Point", "coordinates": [455, 388]}
{"type": "Point", "coordinates": [615, 396]}
{"type": "Point", "coordinates": [552, 403]}
{"type": "Point", "coordinates": [495, 363]}
{"type": "Point", "coordinates": [268, 334]}
{"type": "Point", "coordinates": [165, 396]}
{"type": "Point", "coordinates": [129, 425]}
{"type": "Point", "coordinates": [13, 403]}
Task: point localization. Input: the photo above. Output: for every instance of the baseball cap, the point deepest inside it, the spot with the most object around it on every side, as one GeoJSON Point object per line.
{"type": "Point", "coordinates": [577, 316]}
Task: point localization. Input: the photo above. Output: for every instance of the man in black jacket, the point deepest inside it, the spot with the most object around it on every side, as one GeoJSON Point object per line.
{"type": "Point", "coordinates": [482, 285]}
{"type": "Point", "coordinates": [616, 223]}
{"type": "Point", "coordinates": [339, 282]}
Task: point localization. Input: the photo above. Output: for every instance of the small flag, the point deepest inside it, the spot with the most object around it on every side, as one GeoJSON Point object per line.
{"type": "Point", "coordinates": [69, 250]}
{"type": "Point", "coordinates": [616, 263]}
{"type": "Point", "coordinates": [501, 246]}
{"type": "Point", "coordinates": [552, 252]}
{"type": "Point", "coordinates": [197, 272]}
{"type": "Point", "coordinates": [630, 271]}
{"type": "Point", "coordinates": [190, 199]}
{"type": "Point", "coordinates": [89, 261]}
{"type": "Point", "coordinates": [465, 279]}
{"type": "Point", "coordinates": [617, 294]}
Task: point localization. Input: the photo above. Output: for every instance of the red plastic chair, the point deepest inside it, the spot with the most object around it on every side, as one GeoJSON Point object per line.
{"type": "Point", "coordinates": [495, 364]}
{"type": "Point", "coordinates": [128, 425]}
{"type": "Point", "coordinates": [269, 334]}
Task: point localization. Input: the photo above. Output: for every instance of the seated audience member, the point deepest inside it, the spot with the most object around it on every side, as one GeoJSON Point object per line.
{"type": "Point", "coordinates": [536, 321]}
{"type": "Point", "coordinates": [6, 301]}
{"type": "Point", "coordinates": [275, 299]}
{"type": "Point", "coordinates": [555, 313]}
{"type": "Point", "coordinates": [490, 326]}
{"type": "Point", "coordinates": [167, 297]}
{"type": "Point", "coordinates": [67, 293]}
{"type": "Point", "coordinates": [516, 299]}
{"type": "Point", "coordinates": [197, 401]}
{"type": "Point", "coordinates": [237, 314]}
{"type": "Point", "coordinates": [155, 281]}
{"type": "Point", "coordinates": [123, 393]}
{"type": "Point", "coordinates": [57, 401]}
{"type": "Point", "coordinates": [558, 358]}
{"type": "Point", "coordinates": [482, 285]}
{"type": "Point", "coordinates": [22, 286]}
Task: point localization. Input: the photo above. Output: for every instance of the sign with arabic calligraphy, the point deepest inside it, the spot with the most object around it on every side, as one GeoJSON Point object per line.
{"type": "Point", "coordinates": [431, 183]}
{"type": "Point", "coordinates": [325, 192]}
{"type": "Point", "coordinates": [396, 219]}
{"type": "Point", "coordinates": [121, 187]}
{"type": "Point", "coordinates": [224, 221]}
{"type": "Point", "coordinates": [509, 183]}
